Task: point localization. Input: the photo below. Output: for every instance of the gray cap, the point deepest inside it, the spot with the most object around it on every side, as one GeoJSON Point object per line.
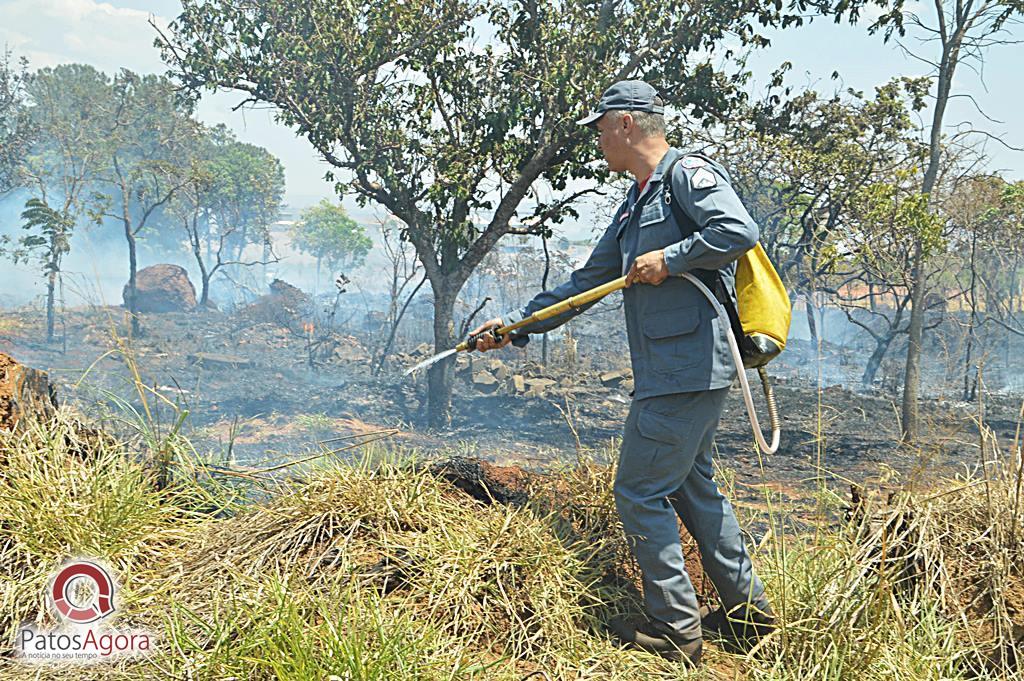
{"type": "Point", "coordinates": [626, 95]}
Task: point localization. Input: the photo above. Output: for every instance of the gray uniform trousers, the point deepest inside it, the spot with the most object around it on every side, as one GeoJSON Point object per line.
{"type": "Point", "coordinates": [665, 469]}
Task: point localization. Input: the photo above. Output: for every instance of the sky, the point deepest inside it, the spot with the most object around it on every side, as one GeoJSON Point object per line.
{"type": "Point", "coordinates": [115, 34]}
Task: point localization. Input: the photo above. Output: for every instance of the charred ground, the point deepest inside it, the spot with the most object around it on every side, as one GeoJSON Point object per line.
{"type": "Point", "coordinates": [264, 384]}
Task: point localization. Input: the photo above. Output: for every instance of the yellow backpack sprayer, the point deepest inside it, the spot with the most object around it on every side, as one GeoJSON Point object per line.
{"type": "Point", "coordinates": [762, 320]}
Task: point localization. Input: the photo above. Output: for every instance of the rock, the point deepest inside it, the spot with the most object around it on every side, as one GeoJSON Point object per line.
{"type": "Point", "coordinates": [162, 288]}
{"type": "Point", "coordinates": [613, 379]}
{"type": "Point", "coordinates": [24, 393]}
{"type": "Point", "coordinates": [485, 382]}
{"type": "Point", "coordinates": [286, 306]}
{"type": "Point", "coordinates": [348, 349]}
{"type": "Point", "coordinates": [536, 387]}
{"type": "Point", "coordinates": [518, 384]}
{"type": "Point", "coordinates": [498, 369]}
{"type": "Point", "coordinates": [213, 360]}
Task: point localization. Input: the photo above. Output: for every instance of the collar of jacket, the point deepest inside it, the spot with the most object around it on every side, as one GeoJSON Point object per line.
{"type": "Point", "coordinates": [652, 184]}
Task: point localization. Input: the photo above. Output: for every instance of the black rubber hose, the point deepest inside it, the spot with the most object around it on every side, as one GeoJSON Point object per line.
{"type": "Point", "coordinates": [769, 396]}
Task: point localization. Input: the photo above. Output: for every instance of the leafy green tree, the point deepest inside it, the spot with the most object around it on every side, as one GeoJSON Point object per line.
{"type": "Point", "coordinates": [961, 31]}
{"type": "Point", "coordinates": [232, 197]}
{"type": "Point", "coordinates": [68, 106]}
{"type": "Point", "coordinates": [326, 232]}
{"type": "Point", "coordinates": [48, 241]}
{"type": "Point", "coordinates": [16, 127]}
{"type": "Point", "coordinates": [452, 114]}
{"type": "Point", "coordinates": [798, 167]}
{"type": "Point", "coordinates": [988, 242]}
{"type": "Point", "coordinates": [245, 192]}
{"type": "Point", "coordinates": [889, 218]}
{"type": "Point", "coordinates": [150, 133]}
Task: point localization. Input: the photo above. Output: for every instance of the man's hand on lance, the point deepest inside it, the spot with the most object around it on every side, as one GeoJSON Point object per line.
{"type": "Point", "coordinates": [649, 268]}
{"type": "Point", "coordinates": [487, 342]}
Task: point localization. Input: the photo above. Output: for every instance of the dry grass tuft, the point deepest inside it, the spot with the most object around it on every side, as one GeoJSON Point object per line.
{"type": "Point", "coordinates": [380, 570]}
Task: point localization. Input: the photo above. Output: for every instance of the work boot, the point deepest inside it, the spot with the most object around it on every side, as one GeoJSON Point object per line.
{"type": "Point", "coordinates": [740, 629]}
{"type": "Point", "coordinates": [646, 635]}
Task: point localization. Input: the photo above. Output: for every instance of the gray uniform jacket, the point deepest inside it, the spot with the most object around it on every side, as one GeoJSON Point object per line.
{"type": "Point", "coordinates": [677, 343]}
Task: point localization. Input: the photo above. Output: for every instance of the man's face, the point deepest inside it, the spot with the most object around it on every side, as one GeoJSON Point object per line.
{"type": "Point", "coordinates": [613, 138]}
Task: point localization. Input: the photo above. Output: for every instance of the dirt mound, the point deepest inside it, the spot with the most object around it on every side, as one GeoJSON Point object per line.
{"type": "Point", "coordinates": [162, 288]}
{"type": "Point", "coordinates": [23, 392]}
{"type": "Point", "coordinates": [484, 481]}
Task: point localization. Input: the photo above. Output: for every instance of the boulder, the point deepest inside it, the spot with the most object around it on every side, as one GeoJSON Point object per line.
{"type": "Point", "coordinates": [24, 393]}
{"type": "Point", "coordinates": [162, 288]}
{"type": "Point", "coordinates": [518, 384]}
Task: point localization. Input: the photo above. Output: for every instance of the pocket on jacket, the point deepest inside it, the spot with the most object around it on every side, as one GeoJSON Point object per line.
{"type": "Point", "coordinates": [653, 211]}
{"type": "Point", "coordinates": [671, 339]}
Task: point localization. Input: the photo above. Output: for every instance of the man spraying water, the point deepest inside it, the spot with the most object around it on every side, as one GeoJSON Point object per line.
{"type": "Point", "coordinates": [682, 371]}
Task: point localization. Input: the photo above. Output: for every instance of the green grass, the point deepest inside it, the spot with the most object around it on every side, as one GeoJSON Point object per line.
{"type": "Point", "coordinates": [378, 570]}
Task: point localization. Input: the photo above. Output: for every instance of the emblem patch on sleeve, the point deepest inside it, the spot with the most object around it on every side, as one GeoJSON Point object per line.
{"type": "Point", "coordinates": [693, 162]}
{"type": "Point", "coordinates": [703, 179]}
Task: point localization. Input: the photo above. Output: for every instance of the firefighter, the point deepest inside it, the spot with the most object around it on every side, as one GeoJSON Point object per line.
{"type": "Point", "coordinates": [682, 371]}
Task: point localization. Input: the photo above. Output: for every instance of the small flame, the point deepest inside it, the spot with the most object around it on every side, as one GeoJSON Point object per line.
{"type": "Point", "coordinates": [308, 328]}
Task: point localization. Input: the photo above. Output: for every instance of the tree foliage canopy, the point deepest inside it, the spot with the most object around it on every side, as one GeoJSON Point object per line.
{"type": "Point", "coordinates": [327, 232]}
{"type": "Point", "coordinates": [448, 112]}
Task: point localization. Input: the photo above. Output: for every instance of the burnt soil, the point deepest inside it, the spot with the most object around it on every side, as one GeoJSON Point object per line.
{"type": "Point", "coordinates": [261, 399]}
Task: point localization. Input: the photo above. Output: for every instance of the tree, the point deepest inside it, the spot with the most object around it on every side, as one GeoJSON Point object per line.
{"type": "Point", "coordinates": [799, 166]}
{"type": "Point", "coordinates": [403, 268]}
{"type": "Point", "coordinates": [455, 136]}
{"type": "Point", "coordinates": [871, 273]}
{"type": "Point", "coordinates": [48, 240]}
{"type": "Point", "coordinates": [68, 105]}
{"type": "Point", "coordinates": [17, 131]}
{"type": "Point", "coordinates": [963, 30]}
{"type": "Point", "coordinates": [149, 132]}
{"type": "Point", "coordinates": [988, 213]}
{"type": "Point", "coordinates": [326, 232]}
{"type": "Point", "coordinates": [232, 197]}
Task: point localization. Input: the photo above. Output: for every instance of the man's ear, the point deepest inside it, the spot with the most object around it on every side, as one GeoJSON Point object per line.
{"type": "Point", "coordinates": [627, 122]}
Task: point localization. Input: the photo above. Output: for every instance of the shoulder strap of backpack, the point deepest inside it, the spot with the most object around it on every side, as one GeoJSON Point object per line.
{"type": "Point", "coordinates": [711, 278]}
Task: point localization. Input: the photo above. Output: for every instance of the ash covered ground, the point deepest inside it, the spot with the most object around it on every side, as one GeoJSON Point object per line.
{"type": "Point", "coordinates": [263, 385]}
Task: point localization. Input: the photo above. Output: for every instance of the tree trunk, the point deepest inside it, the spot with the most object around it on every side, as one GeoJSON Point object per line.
{"type": "Point", "coordinates": [51, 282]}
{"type": "Point", "coordinates": [205, 296]}
{"type": "Point", "coordinates": [441, 374]}
{"type": "Point", "coordinates": [133, 266]}
{"type": "Point", "coordinates": [204, 276]}
{"type": "Point", "coordinates": [973, 298]}
{"type": "Point", "coordinates": [812, 323]}
{"type": "Point", "coordinates": [912, 377]}
{"type": "Point", "coordinates": [875, 361]}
